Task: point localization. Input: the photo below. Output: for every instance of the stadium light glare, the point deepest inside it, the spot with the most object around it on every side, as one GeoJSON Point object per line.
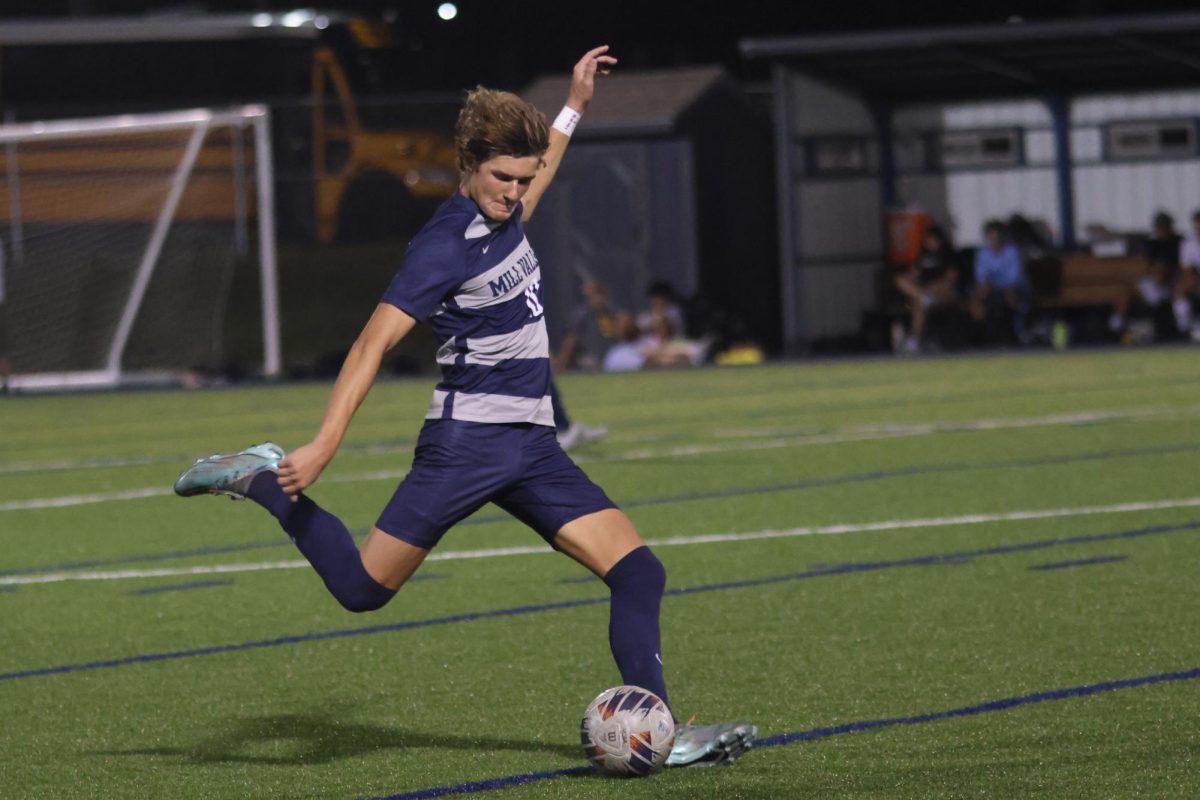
{"type": "Point", "coordinates": [261, 20]}
{"type": "Point", "coordinates": [294, 19]}
{"type": "Point", "coordinates": [447, 11]}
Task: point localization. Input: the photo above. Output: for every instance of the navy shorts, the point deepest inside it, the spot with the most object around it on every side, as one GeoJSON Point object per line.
{"type": "Point", "coordinates": [460, 466]}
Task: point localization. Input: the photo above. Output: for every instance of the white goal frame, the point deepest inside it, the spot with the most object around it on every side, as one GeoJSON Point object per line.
{"type": "Point", "coordinates": [200, 121]}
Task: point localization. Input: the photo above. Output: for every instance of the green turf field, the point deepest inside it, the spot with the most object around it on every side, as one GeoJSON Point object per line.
{"type": "Point", "coordinates": [921, 579]}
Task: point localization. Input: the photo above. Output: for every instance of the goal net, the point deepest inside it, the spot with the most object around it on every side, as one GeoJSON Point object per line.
{"type": "Point", "coordinates": [125, 243]}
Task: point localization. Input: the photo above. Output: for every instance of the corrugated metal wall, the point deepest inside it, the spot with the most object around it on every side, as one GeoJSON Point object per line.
{"type": "Point", "coordinates": [963, 199]}
{"type": "Point", "coordinates": [1113, 195]}
{"type": "Point", "coordinates": [1124, 196]}
{"type": "Point", "coordinates": [837, 221]}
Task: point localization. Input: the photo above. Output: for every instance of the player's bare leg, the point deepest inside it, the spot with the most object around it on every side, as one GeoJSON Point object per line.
{"type": "Point", "coordinates": [598, 541]}
{"type": "Point", "coordinates": [390, 561]}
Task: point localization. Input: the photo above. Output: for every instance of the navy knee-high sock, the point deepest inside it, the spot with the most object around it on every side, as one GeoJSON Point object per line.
{"type": "Point", "coordinates": [561, 420]}
{"type": "Point", "coordinates": [637, 582]}
{"type": "Point", "coordinates": [325, 542]}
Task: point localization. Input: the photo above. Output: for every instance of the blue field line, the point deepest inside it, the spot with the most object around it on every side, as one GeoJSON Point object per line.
{"type": "Point", "coordinates": [1081, 562]}
{"type": "Point", "coordinates": [169, 555]}
{"type": "Point", "coordinates": [836, 569]}
{"type": "Point", "coordinates": [344, 633]}
{"type": "Point", "coordinates": [835, 730]}
{"type": "Point", "coordinates": [491, 784]}
{"type": "Point", "coordinates": [715, 494]}
{"type": "Point", "coordinates": [982, 708]}
{"type": "Point", "coordinates": [179, 587]}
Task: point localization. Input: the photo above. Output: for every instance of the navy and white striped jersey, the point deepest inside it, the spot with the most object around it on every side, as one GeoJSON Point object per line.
{"type": "Point", "coordinates": [477, 284]}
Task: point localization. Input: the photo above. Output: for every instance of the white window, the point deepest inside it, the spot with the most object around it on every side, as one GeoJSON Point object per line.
{"type": "Point", "coordinates": [993, 148]}
{"type": "Point", "coordinates": [1151, 139]}
{"type": "Point", "coordinates": [841, 156]}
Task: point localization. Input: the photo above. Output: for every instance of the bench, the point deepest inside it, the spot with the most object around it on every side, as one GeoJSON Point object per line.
{"type": "Point", "coordinates": [1080, 280]}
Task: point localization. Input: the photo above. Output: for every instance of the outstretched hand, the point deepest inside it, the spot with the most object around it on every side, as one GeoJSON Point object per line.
{"type": "Point", "coordinates": [301, 468]}
{"type": "Point", "coordinates": [583, 77]}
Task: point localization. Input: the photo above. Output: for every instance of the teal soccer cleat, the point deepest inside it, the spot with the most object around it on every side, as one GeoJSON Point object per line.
{"type": "Point", "coordinates": [705, 745]}
{"type": "Point", "coordinates": [229, 474]}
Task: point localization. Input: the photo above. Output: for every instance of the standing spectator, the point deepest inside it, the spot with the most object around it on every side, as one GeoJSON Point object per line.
{"type": "Point", "coordinates": [1001, 288]}
{"type": "Point", "coordinates": [929, 282]}
{"type": "Point", "coordinates": [1188, 281]}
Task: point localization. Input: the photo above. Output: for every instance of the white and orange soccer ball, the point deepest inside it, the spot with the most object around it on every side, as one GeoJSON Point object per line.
{"type": "Point", "coordinates": [627, 730]}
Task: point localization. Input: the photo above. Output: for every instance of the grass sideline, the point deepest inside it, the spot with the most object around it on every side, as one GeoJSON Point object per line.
{"type": "Point", "coordinates": [858, 650]}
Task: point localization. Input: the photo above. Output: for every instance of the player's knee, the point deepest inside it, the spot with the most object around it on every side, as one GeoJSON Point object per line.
{"type": "Point", "coordinates": [363, 593]}
{"type": "Point", "coordinates": [366, 598]}
{"type": "Point", "coordinates": [656, 573]}
{"type": "Point", "coordinates": [639, 571]}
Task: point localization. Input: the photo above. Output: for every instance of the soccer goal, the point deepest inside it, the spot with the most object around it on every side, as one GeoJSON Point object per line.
{"type": "Point", "coordinates": [130, 243]}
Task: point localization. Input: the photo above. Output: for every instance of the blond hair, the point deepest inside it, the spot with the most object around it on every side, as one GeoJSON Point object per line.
{"type": "Point", "coordinates": [493, 123]}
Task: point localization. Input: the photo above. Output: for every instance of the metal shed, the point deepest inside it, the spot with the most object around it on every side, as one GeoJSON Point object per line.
{"type": "Point", "coordinates": [1018, 115]}
{"type": "Point", "coordinates": [669, 178]}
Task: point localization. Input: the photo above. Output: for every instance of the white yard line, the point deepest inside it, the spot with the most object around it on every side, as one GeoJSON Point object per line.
{"type": "Point", "coordinates": [154, 491]}
{"type": "Point", "coordinates": [83, 499]}
{"type": "Point", "coordinates": [810, 431]}
{"type": "Point", "coordinates": [17, 467]}
{"type": "Point", "coordinates": [865, 433]}
{"type": "Point", "coordinates": [944, 426]}
{"type": "Point", "coordinates": [787, 533]}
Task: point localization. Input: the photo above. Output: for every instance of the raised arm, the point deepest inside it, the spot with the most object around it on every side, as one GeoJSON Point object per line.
{"type": "Point", "coordinates": [387, 326]}
{"type": "Point", "coordinates": [583, 77]}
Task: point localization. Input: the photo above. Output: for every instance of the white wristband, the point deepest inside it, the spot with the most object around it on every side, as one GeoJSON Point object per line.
{"type": "Point", "coordinates": [566, 120]}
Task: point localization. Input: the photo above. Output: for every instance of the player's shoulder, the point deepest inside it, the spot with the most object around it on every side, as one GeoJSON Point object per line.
{"type": "Point", "coordinates": [447, 227]}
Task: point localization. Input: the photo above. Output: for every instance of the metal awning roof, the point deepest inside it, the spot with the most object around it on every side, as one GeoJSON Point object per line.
{"type": "Point", "coordinates": [1015, 58]}
{"type": "Point", "coordinates": [633, 103]}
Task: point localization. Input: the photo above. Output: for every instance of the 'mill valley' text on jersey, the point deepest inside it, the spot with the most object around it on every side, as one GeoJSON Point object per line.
{"type": "Point", "coordinates": [476, 282]}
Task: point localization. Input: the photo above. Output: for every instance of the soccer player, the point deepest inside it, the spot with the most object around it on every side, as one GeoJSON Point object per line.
{"type": "Point", "coordinates": [489, 433]}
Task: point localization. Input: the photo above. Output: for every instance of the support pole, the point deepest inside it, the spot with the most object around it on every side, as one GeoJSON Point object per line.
{"type": "Point", "coordinates": [784, 186]}
{"type": "Point", "coordinates": [268, 272]}
{"type": "Point", "coordinates": [884, 134]}
{"type": "Point", "coordinates": [158, 237]}
{"type": "Point", "coordinates": [1060, 112]}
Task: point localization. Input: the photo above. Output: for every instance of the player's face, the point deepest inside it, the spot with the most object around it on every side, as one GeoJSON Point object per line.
{"type": "Point", "coordinates": [500, 183]}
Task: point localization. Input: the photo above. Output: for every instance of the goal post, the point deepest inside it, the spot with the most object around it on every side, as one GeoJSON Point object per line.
{"type": "Point", "coordinates": [120, 238]}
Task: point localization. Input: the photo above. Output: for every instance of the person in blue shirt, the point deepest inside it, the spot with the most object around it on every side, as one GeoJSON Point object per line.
{"type": "Point", "coordinates": [489, 434]}
{"type": "Point", "coordinates": [1001, 288]}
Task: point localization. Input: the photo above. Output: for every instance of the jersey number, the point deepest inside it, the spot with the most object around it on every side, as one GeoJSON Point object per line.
{"type": "Point", "coordinates": [531, 299]}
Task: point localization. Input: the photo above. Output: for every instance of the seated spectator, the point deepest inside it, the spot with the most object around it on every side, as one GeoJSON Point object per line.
{"type": "Point", "coordinates": [662, 307]}
{"type": "Point", "coordinates": [593, 327]}
{"type": "Point", "coordinates": [1188, 282]}
{"type": "Point", "coordinates": [1156, 286]}
{"type": "Point", "coordinates": [929, 282]}
{"type": "Point", "coordinates": [651, 348]}
{"type": "Point", "coordinates": [627, 355]}
{"type": "Point", "coordinates": [1002, 294]}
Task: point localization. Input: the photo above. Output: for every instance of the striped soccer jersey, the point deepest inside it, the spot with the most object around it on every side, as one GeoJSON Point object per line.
{"type": "Point", "coordinates": [477, 284]}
